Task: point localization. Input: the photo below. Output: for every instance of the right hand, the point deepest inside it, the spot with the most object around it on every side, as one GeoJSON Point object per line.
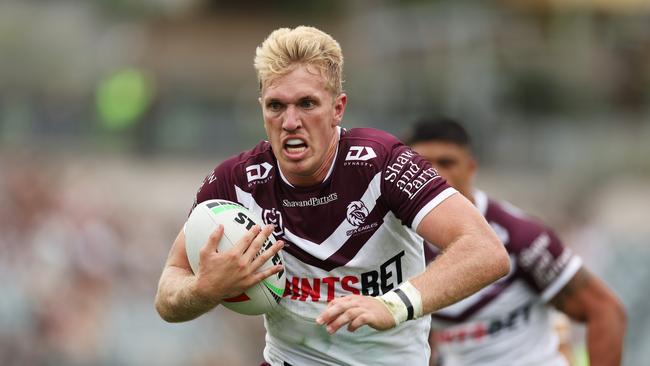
{"type": "Point", "coordinates": [228, 274]}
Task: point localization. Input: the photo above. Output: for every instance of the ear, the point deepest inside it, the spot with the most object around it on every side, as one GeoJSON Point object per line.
{"type": "Point", "coordinates": [339, 108]}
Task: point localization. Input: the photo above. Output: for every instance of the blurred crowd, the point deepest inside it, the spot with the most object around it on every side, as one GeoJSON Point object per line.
{"type": "Point", "coordinates": [60, 251]}
{"type": "Point", "coordinates": [80, 268]}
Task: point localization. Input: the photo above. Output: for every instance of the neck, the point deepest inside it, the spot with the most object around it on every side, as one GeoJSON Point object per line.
{"type": "Point", "coordinates": [320, 174]}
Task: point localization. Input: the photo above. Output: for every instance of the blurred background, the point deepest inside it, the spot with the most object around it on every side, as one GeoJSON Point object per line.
{"type": "Point", "coordinates": [113, 111]}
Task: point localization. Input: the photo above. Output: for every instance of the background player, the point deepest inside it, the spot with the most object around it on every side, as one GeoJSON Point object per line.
{"type": "Point", "coordinates": [344, 201]}
{"type": "Point", "coordinates": [508, 322]}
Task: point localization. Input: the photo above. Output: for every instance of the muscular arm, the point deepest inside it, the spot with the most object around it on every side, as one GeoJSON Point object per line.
{"type": "Point", "coordinates": [472, 256]}
{"type": "Point", "coordinates": [176, 298]}
{"type": "Point", "coordinates": [183, 296]}
{"type": "Point", "coordinates": [587, 299]}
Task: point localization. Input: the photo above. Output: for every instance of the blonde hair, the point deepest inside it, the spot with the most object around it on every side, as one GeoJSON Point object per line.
{"type": "Point", "coordinates": [285, 49]}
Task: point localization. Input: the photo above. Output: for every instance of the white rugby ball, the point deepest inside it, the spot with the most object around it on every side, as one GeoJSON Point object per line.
{"type": "Point", "coordinates": [236, 221]}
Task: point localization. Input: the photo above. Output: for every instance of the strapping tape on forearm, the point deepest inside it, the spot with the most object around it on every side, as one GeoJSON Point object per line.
{"type": "Point", "coordinates": [404, 302]}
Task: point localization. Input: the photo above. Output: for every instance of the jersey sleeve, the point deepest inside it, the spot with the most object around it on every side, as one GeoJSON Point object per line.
{"type": "Point", "coordinates": [219, 184]}
{"type": "Point", "coordinates": [546, 263]}
{"type": "Point", "coordinates": [411, 186]}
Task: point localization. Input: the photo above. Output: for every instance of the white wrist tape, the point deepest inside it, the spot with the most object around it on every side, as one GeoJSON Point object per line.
{"type": "Point", "coordinates": [404, 302]}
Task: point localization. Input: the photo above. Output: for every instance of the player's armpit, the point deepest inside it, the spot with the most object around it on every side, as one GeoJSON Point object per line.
{"type": "Point", "coordinates": [586, 298]}
{"type": "Point", "coordinates": [570, 300]}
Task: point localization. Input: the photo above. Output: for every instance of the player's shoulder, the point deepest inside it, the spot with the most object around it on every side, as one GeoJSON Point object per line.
{"type": "Point", "coordinates": [251, 165]}
{"type": "Point", "coordinates": [369, 135]}
{"type": "Point", "coordinates": [516, 228]}
{"type": "Point", "coordinates": [255, 163]}
{"type": "Point", "coordinates": [364, 144]}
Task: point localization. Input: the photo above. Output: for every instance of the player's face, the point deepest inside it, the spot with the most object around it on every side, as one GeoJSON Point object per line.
{"type": "Point", "coordinates": [453, 162]}
{"type": "Point", "coordinates": [300, 118]}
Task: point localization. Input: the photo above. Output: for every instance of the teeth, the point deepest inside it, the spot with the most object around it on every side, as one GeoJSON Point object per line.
{"type": "Point", "coordinates": [296, 149]}
{"type": "Point", "coordinates": [295, 142]}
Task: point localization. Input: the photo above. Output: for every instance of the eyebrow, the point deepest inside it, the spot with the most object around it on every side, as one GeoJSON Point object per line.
{"type": "Point", "coordinates": [276, 99]}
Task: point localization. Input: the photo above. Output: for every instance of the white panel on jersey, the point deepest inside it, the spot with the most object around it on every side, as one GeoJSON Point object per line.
{"type": "Point", "coordinates": [567, 274]}
{"type": "Point", "coordinates": [448, 192]}
{"type": "Point", "coordinates": [336, 240]}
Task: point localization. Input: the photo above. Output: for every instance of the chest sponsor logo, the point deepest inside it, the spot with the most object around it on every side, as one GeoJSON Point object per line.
{"type": "Point", "coordinates": [372, 283]}
{"type": "Point", "coordinates": [313, 201]}
{"type": "Point", "coordinates": [258, 172]}
{"type": "Point", "coordinates": [480, 330]}
{"type": "Point", "coordinates": [408, 176]}
{"type": "Point", "coordinates": [360, 153]}
{"type": "Point", "coordinates": [273, 217]}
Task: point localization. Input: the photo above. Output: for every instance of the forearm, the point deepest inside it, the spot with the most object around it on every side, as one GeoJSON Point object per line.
{"type": "Point", "coordinates": [177, 300]}
{"type": "Point", "coordinates": [468, 264]}
{"type": "Point", "coordinates": [587, 299]}
{"type": "Point", "coordinates": [605, 334]}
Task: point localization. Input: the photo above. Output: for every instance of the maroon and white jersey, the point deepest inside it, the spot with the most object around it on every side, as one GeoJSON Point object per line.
{"type": "Point", "coordinates": [351, 234]}
{"type": "Point", "coordinates": [509, 321]}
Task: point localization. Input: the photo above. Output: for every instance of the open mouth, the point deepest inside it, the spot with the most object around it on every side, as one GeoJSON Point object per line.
{"type": "Point", "coordinates": [295, 146]}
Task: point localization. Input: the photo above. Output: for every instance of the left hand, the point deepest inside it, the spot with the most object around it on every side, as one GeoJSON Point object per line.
{"type": "Point", "coordinates": [356, 310]}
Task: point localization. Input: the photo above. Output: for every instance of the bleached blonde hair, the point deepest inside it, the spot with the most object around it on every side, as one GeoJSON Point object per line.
{"type": "Point", "coordinates": [285, 49]}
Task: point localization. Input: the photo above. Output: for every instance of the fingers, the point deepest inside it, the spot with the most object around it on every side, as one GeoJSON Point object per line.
{"type": "Point", "coordinates": [246, 240]}
{"type": "Point", "coordinates": [356, 311]}
{"type": "Point", "coordinates": [267, 254]}
{"type": "Point", "coordinates": [263, 258]}
{"type": "Point", "coordinates": [257, 243]}
{"type": "Point", "coordinates": [346, 317]}
{"type": "Point", "coordinates": [357, 322]}
{"type": "Point", "coordinates": [213, 241]}
{"type": "Point", "coordinates": [262, 275]}
{"type": "Point", "coordinates": [334, 309]}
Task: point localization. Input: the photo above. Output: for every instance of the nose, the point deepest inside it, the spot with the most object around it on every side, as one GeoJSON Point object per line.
{"type": "Point", "coordinates": [291, 121]}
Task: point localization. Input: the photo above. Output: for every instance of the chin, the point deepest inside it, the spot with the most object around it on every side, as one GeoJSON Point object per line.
{"type": "Point", "coordinates": [293, 166]}
{"type": "Point", "coordinates": [299, 168]}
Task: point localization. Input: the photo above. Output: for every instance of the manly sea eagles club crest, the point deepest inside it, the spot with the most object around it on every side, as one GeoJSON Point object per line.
{"type": "Point", "coordinates": [356, 213]}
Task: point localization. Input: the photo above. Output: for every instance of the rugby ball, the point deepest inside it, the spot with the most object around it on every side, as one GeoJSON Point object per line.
{"type": "Point", "coordinates": [236, 221]}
